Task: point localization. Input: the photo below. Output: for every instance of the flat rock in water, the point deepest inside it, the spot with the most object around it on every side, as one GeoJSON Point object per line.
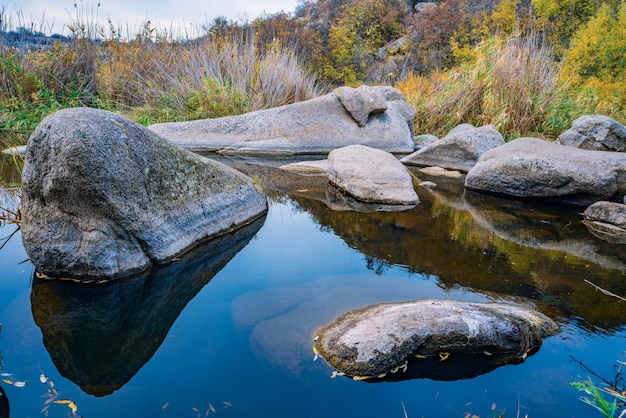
{"type": "Point", "coordinates": [307, 167]}
{"type": "Point", "coordinates": [371, 175]}
{"type": "Point", "coordinates": [378, 117]}
{"type": "Point", "coordinates": [377, 339]}
{"type": "Point", "coordinates": [595, 132]}
{"type": "Point", "coordinates": [459, 150]}
{"type": "Point", "coordinates": [104, 196]}
{"type": "Point", "coordinates": [531, 167]}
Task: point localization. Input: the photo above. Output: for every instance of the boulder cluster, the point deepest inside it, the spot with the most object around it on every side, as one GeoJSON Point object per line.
{"type": "Point", "coordinates": [106, 197]}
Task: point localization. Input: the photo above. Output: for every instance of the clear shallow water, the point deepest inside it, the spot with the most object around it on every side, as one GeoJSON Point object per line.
{"type": "Point", "coordinates": [232, 323]}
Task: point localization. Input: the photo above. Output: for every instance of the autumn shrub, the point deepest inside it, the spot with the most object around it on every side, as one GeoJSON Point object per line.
{"type": "Point", "coordinates": [594, 66]}
{"type": "Point", "coordinates": [510, 83]}
{"type": "Point", "coordinates": [361, 28]}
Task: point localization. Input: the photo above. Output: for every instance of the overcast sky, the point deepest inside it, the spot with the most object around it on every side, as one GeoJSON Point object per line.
{"type": "Point", "coordinates": [161, 13]}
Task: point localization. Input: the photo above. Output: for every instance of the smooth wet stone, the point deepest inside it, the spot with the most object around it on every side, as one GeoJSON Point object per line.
{"type": "Point", "coordinates": [371, 175]}
{"type": "Point", "coordinates": [378, 339]}
{"type": "Point", "coordinates": [531, 167]}
{"type": "Point", "coordinates": [104, 196]}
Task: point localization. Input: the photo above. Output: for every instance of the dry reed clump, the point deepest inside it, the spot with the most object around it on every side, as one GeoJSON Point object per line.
{"type": "Point", "coordinates": [511, 84]}
{"type": "Point", "coordinates": [207, 77]}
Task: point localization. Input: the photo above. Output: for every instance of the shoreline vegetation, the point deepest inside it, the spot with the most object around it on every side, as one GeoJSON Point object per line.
{"type": "Point", "coordinates": [524, 69]}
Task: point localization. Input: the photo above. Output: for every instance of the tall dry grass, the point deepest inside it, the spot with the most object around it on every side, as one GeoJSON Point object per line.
{"type": "Point", "coordinates": [510, 83]}
{"type": "Point", "coordinates": [151, 75]}
{"type": "Point", "coordinates": [207, 77]}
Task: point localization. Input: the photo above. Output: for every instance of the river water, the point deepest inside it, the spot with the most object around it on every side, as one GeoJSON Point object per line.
{"type": "Point", "coordinates": [228, 329]}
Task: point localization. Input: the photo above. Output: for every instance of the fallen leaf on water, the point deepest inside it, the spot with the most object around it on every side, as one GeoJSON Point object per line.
{"type": "Point", "coordinates": [419, 356]}
{"type": "Point", "coordinates": [227, 404]}
{"type": "Point", "coordinates": [165, 405]}
{"type": "Point", "coordinates": [195, 409]}
{"type": "Point", "coordinates": [487, 353]}
{"type": "Point", "coordinates": [444, 355]}
{"type": "Point", "coordinates": [212, 408]}
{"type": "Point", "coordinates": [19, 384]}
{"type": "Point", "coordinates": [7, 381]}
{"type": "Point", "coordinates": [361, 377]}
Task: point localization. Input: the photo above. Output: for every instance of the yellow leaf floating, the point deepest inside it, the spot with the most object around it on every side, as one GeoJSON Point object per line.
{"type": "Point", "coordinates": [444, 356]}
{"type": "Point", "coordinates": [69, 404]}
{"type": "Point", "coordinates": [7, 381]}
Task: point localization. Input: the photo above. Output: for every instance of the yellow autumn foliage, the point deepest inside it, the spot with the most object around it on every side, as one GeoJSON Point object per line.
{"type": "Point", "coordinates": [595, 64]}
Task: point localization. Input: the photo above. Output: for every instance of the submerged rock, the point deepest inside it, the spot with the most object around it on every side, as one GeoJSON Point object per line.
{"type": "Point", "coordinates": [104, 196]}
{"type": "Point", "coordinates": [378, 339]}
{"type": "Point", "coordinates": [459, 150]}
{"type": "Point", "coordinates": [371, 175]}
{"type": "Point", "coordinates": [595, 132]}
{"type": "Point", "coordinates": [531, 167]}
{"type": "Point", "coordinates": [378, 117]}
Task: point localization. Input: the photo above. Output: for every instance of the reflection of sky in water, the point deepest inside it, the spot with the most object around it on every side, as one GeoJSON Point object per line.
{"type": "Point", "coordinates": [245, 338]}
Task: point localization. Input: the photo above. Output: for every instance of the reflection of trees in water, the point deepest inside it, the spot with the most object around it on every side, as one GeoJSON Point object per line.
{"type": "Point", "coordinates": [377, 265]}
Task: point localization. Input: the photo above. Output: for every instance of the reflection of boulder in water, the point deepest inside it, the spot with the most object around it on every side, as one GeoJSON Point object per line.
{"type": "Point", "coordinates": [5, 411]}
{"type": "Point", "coordinates": [553, 229]}
{"type": "Point", "coordinates": [4, 401]}
{"type": "Point", "coordinates": [457, 366]}
{"type": "Point", "coordinates": [99, 336]}
{"type": "Point", "coordinates": [336, 199]}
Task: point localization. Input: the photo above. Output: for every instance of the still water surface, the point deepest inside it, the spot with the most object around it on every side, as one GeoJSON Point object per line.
{"type": "Point", "coordinates": [228, 329]}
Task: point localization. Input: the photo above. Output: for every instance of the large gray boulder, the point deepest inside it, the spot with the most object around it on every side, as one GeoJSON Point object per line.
{"type": "Point", "coordinates": [531, 167]}
{"type": "Point", "coordinates": [459, 150]}
{"type": "Point", "coordinates": [378, 117]}
{"type": "Point", "coordinates": [595, 132]}
{"type": "Point", "coordinates": [378, 339]}
{"type": "Point", "coordinates": [104, 196]}
{"type": "Point", "coordinates": [371, 175]}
